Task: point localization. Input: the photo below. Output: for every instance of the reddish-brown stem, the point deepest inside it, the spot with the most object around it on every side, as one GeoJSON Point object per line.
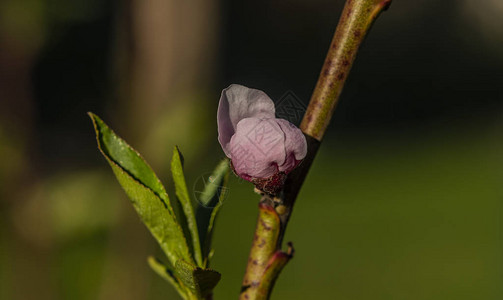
{"type": "Point", "coordinates": [266, 259]}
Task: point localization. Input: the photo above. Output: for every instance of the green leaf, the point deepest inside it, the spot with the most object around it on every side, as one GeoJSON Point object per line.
{"type": "Point", "coordinates": [145, 191]}
{"type": "Point", "coordinates": [183, 196]}
{"type": "Point", "coordinates": [212, 198]}
{"type": "Point", "coordinates": [167, 274]}
{"type": "Point", "coordinates": [199, 281]}
{"type": "Point", "coordinates": [215, 186]}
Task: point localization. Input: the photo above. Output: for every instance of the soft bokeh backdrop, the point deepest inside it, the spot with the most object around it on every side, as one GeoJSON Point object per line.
{"type": "Point", "coordinates": [403, 201]}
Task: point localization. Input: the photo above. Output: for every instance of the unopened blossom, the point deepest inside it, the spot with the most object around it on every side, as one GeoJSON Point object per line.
{"type": "Point", "coordinates": [262, 148]}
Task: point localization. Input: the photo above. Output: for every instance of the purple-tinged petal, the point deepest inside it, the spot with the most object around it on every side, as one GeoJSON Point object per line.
{"type": "Point", "coordinates": [257, 148]}
{"type": "Point", "coordinates": [295, 145]}
{"type": "Point", "coordinates": [238, 102]}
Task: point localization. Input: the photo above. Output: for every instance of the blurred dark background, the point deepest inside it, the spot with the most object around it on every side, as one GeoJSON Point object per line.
{"type": "Point", "coordinates": [403, 201]}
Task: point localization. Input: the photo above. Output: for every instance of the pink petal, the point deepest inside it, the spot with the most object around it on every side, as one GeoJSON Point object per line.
{"type": "Point", "coordinates": [295, 145]}
{"type": "Point", "coordinates": [257, 148]}
{"type": "Point", "coordinates": [236, 103]}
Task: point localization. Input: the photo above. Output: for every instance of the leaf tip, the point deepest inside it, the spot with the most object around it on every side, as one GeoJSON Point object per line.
{"type": "Point", "coordinates": [93, 116]}
{"type": "Point", "coordinates": [95, 119]}
{"type": "Point", "coordinates": [177, 153]}
{"type": "Point", "coordinates": [151, 260]}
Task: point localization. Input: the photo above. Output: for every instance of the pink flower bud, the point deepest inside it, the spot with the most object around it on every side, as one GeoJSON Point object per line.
{"type": "Point", "coordinates": [262, 148]}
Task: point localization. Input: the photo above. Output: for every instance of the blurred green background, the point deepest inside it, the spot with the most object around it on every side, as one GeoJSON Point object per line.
{"type": "Point", "coordinates": [403, 201]}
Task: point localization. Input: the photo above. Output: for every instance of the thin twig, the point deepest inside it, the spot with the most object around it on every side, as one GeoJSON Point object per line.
{"type": "Point", "coordinates": [355, 22]}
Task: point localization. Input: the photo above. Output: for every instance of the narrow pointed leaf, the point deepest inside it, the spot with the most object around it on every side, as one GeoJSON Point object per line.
{"type": "Point", "coordinates": [211, 198]}
{"type": "Point", "coordinates": [183, 196]}
{"type": "Point", "coordinates": [214, 188]}
{"type": "Point", "coordinates": [145, 191]}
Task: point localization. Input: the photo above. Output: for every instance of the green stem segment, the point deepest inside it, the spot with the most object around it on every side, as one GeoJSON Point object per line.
{"type": "Point", "coordinates": [355, 22]}
{"type": "Point", "coordinates": [271, 273]}
{"type": "Point", "coordinates": [266, 259]}
{"type": "Point", "coordinates": [262, 253]}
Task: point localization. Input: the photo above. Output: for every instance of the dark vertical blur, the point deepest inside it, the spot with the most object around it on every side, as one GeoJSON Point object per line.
{"type": "Point", "coordinates": [404, 200]}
